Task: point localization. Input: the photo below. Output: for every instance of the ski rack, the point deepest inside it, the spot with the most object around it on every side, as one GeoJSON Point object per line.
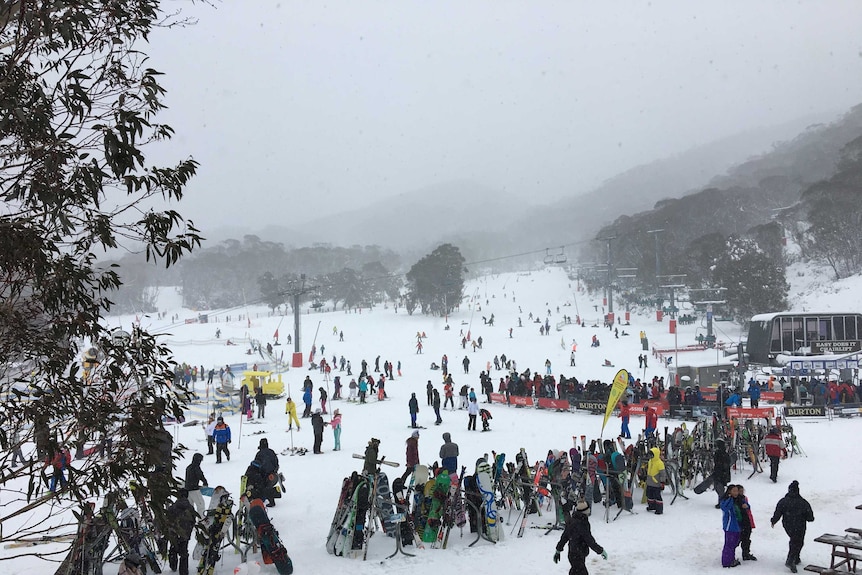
{"type": "Point", "coordinates": [243, 536]}
{"type": "Point", "coordinates": [480, 533]}
{"type": "Point", "coordinates": [672, 466]}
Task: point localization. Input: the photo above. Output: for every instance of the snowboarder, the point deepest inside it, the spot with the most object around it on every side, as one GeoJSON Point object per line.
{"type": "Point", "coordinates": [429, 389]}
{"type": "Point", "coordinates": [486, 416]}
{"type": "Point", "coordinates": [794, 512]}
{"type": "Point", "coordinates": [413, 405]}
{"type": "Point", "coordinates": [580, 539]}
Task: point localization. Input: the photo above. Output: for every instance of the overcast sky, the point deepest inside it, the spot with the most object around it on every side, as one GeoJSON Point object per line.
{"type": "Point", "coordinates": [307, 108]}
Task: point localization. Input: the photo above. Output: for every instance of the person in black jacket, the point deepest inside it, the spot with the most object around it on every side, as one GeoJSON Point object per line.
{"type": "Point", "coordinates": [580, 539]}
{"type": "Point", "coordinates": [720, 470]}
{"type": "Point", "coordinates": [267, 457]}
{"type": "Point", "coordinates": [794, 513]}
{"type": "Point", "coordinates": [182, 523]}
{"type": "Point", "coordinates": [194, 479]}
{"type": "Point", "coordinates": [317, 425]}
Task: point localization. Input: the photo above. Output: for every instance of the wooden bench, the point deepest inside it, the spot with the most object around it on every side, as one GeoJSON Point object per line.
{"type": "Point", "coordinates": [855, 530]}
{"type": "Point", "coordinates": [824, 570]}
{"type": "Point", "coordinates": [847, 555]}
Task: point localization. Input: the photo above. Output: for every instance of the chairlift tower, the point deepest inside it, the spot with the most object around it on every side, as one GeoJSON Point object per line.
{"type": "Point", "coordinates": [295, 294]}
{"type": "Point", "coordinates": [657, 257]}
{"type": "Point", "coordinates": [610, 281]}
{"type": "Point", "coordinates": [673, 285]}
{"type": "Point", "coordinates": [711, 296]}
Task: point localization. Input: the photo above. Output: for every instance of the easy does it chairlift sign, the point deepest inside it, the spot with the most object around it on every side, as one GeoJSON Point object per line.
{"type": "Point", "coordinates": [835, 347]}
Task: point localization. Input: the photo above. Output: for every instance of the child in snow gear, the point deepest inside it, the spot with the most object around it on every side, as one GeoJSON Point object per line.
{"type": "Point", "coordinates": [579, 538]}
{"type": "Point", "coordinates": [794, 512]}
{"type": "Point", "coordinates": [730, 524]}
{"type": "Point", "coordinates": [486, 416]}
{"type": "Point", "coordinates": [746, 524]}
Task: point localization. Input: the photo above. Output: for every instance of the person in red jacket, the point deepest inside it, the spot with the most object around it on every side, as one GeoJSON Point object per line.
{"type": "Point", "coordinates": [775, 450]}
{"type": "Point", "coordinates": [625, 415]}
{"type": "Point", "coordinates": [60, 461]}
{"type": "Point", "coordinates": [651, 421]}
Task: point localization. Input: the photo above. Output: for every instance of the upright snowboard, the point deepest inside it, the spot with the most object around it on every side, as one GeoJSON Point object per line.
{"type": "Point", "coordinates": [212, 533]}
{"type": "Point", "coordinates": [489, 506]}
{"type": "Point", "coordinates": [271, 547]}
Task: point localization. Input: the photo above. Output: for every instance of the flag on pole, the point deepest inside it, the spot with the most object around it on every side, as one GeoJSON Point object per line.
{"type": "Point", "coordinates": [621, 382]}
{"type": "Point", "coordinates": [275, 335]}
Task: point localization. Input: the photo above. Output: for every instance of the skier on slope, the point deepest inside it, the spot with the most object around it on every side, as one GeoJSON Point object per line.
{"type": "Point", "coordinates": [579, 538]}
{"type": "Point", "coordinates": [290, 410]}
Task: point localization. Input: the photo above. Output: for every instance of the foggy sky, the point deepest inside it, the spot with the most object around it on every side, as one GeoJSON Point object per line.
{"type": "Point", "coordinates": [305, 109]}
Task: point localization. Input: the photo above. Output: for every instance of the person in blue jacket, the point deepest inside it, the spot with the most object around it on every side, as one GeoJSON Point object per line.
{"type": "Point", "coordinates": [754, 392]}
{"type": "Point", "coordinates": [221, 436]}
{"type": "Point", "coordinates": [730, 522]}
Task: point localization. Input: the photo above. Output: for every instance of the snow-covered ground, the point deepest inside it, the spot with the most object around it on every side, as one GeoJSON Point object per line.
{"type": "Point", "coordinates": [686, 539]}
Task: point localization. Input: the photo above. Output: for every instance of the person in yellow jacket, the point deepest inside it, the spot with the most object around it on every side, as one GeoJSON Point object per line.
{"type": "Point", "coordinates": [656, 478]}
{"type": "Point", "coordinates": [290, 410]}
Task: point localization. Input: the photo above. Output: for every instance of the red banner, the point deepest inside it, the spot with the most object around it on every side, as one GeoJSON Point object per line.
{"type": "Point", "coordinates": [751, 413]}
{"type": "Point", "coordinates": [548, 403]}
{"type": "Point", "coordinates": [498, 398]}
{"type": "Point", "coordinates": [772, 396]}
{"type": "Point", "coordinates": [519, 400]}
{"type": "Point", "coordinates": [659, 406]}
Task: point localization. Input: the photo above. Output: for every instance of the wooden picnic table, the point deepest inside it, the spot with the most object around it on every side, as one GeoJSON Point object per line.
{"type": "Point", "coordinates": [846, 551]}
